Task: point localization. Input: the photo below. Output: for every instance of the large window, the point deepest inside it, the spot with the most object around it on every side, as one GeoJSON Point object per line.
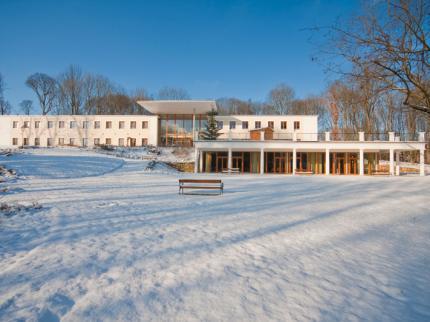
{"type": "Point", "coordinates": [72, 124]}
{"type": "Point", "coordinates": [25, 142]}
{"type": "Point", "coordinates": [132, 124]}
{"type": "Point", "coordinates": [244, 125]}
{"type": "Point", "coordinates": [26, 124]}
{"type": "Point", "coordinates": [121, 141]}
{"type": "Point", "coordinates": [271, 124]}
{"type": "Point", "coordinates": [121, 124]}
{"type": "Point", "coordinates": [232, 125]}
{"type": "Point", "coordinates": [177, 130]}
{"type": "Point", "coordinates": [296, 125]}
{"type": "Point", "coordinates": [50, 142]}
{"type": "Point", "coordinates": [15, 125]}
{"type": "Point", "coordinates": [108, 141]}
{"type": "Point", "coordinates": [97, 124]}
{"type": "Point", "coordinates": [61, 124]}
{"type": "Point", "coordinates": [144, 124]}
{"type": "Point", "coordinates": [50, 124]}
{"type": "Point", "coordinates": [257, 125]}
{"type": "Point", "coordinates": [60, 141]}
{"type": "Point", "coordinates": [36, 124]}
{"type": "Point", "coordinates": [96, 141]}
{"type": "Point", "coordinates": [36, 141]}
{"type": "Point", "coordinates": [108, 125]}
{"type": "Point", "coordinates": [86, 125]}
{"type": "Point", "coordinates": [220, 124]}
{"type": "Point", "coordinates": [15, 141]}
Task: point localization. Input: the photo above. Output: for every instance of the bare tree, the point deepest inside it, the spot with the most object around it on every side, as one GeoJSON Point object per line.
{"type": "Point", "coordinates": [26, 106]}
{"type": "Point", "coordinates": [46, 90]}
{"type": "Point", "coordinates": [281, 98]}
{"type": "Point", "coordinates": [5, 107]}
{"type": "Point", "coordinates": [71, 90]}
{"type": "Point", "coordinates": [389, 44]}
{"type": "Point", "coordinates": [96, 89]}
{"type": "Point", "coordinates": [173, 93]}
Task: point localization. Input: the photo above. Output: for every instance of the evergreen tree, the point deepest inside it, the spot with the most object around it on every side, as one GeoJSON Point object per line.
{"type": "Point", "coordinates": [212, 131]}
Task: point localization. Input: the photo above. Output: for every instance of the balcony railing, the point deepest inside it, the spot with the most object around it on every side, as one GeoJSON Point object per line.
{"type": "Point", "coordinates": [326, 136]}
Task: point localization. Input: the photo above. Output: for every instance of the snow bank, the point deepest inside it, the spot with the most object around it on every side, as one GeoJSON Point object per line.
{"type": "Point", "coordinates": [124, 246]}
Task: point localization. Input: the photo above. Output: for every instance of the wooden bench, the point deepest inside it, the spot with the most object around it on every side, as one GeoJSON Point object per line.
{"type": "Point", "coordinates": [380, 173]}
{"type": "Point", "coordinates": [201, 184]}
{"type": "Point", "coordinates": [304, 172]}
{"type": "Point", "coordinates": [231, 170]}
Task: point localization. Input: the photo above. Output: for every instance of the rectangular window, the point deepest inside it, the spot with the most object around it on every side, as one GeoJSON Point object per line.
{"type": "Point", "coordinates": [283, 125]}
{"type": "Point", "coordinates": [121, 142]}
{"type": "Point", "coordinates": [61, 124]}
{"type": "Point", "coordinates": [26, 124]}
{"type": "Point", "coordinates": [84, 142]}
{"type": "Point", "coordinates": [144, 124]}
{"type": "Point", "coordinates": [36, 124]}
{"type": "Point", "coordinates": [72, 124]}
{"type": "Point", "coordinates": [50, 124]}
{"type": "Point", "coordinates": [36, 141]}
{"type": "Point", "coordinates": [121, 124]}
{"type": "Point", "coordinates": [257, 125]}
{"type": "Point", "coordinates": [220, 124]}
{"type": "Point", "coordinates": [108, 125]}
{"type": "Point", "coordinates": [25, 142]}
{"type": "Point", "coordinates": [15, 141]}
{"type": "Point", "coordinates": [296, 125]}
{"type": "Point", "coordinates": [97, 124]}
{"type": "Point", "coordinates": [15, 124]}
{"type": "Point", "coordinates": [108, 141]}
{"type": "Point", "coordinates": [72, 141]}
{"type": "Point", "coordinates": [271, 124]}
{"type": "Point", "coordinates": [144, 141]}
{"type": "Point", "coordinates": [96, 141]}
{"type": "Point", "coordinates": [132, 124]}
{"type": "Point", "coordinates": [232, 125]}
{"type": "Point", "coordinates": [85, 124]}
{"type": "Point", "coordinates": [50, 142]}
{"type": "Point", "coordinates": [244, 125]}
{"type": "Point", "coordinates": [60, 141]}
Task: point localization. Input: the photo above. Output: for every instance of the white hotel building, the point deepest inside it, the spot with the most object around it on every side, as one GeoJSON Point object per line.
{"type": "Point", "coordinates": [287, 144]}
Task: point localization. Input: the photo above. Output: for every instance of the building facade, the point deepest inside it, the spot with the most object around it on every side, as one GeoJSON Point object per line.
{"type": "Point", "coordinates": [287, 144]}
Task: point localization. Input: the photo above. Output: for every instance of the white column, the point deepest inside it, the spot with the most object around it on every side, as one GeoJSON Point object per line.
{"type": "Point", "coordinates": [327, 162]}
{"type": "Point", "coordinates": [391, 136]}
{"type": "Point", "coordinates": [200, 161]}
{"type": "Point", "coordinates": [422, 172]}
{"type": "Point", "coordinates": [261, 161]}
{"type": "Point", "coordinates": [422, 137]}
{"type": "Point", "coordinates": [397, 163]}
{"type": "Point", "coordinates": [347, 162]}
{"type": "Point", "coordinates": [361, 162]}
{"type": "Point", "coordinates": [391, 162]}
{"type": "Point", "coordinates": [294, 161]}
{"type": "Point", "coordinates": [294, 135]}
{"type": "Point", "coordinates": [361, 136]}
{"type": "Point", "coordinates": [230, 161]}
{"type": "Point", "coordinates": [196, 159]}
{"type": "Point", "coordinates": [327, 136]}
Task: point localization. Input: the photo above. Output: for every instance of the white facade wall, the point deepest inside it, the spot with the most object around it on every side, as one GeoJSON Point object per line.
{"type": "Point", "coordinates": [307, 131]}
{"type": "Point", "coordinates": [78, 134]}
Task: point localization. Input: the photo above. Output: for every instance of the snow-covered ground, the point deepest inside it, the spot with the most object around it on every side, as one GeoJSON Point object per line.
{"type": "Point", "coordinates": [115, 242]}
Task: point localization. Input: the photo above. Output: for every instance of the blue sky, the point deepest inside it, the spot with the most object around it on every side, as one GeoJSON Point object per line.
{"type": "Point", "coordinates": [211, 48]}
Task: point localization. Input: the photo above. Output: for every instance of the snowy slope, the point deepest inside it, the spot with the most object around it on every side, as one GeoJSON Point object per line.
{"type": "Point", "coordinates": [114, 242]}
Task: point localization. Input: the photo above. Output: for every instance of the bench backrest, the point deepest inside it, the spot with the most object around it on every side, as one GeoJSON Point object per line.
{"type": "Point", "coordinates": [199, 181]}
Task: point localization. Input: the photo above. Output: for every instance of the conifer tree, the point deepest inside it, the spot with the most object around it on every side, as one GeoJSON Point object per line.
{"type": "Point", "coordinates": [211, 132]}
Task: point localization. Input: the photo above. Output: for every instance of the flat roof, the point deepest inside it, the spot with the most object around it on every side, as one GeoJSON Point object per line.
{"type": "Point", "coordinates": [178, 107]}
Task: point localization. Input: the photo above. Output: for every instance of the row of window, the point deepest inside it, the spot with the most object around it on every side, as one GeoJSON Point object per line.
{"type": "Point", "coordinates": [85, 124]}
{"type": "Point", "coordinates": [257, 125]}
{"type": "Point", "coordinates": [83, 142]}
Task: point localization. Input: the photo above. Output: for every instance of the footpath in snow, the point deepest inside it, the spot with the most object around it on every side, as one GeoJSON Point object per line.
{"type": "Point", "coordinates": [113, 241]}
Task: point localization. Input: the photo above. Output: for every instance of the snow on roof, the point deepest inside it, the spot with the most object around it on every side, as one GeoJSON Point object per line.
{"type": "Point", "coordinates": [178, 107]}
